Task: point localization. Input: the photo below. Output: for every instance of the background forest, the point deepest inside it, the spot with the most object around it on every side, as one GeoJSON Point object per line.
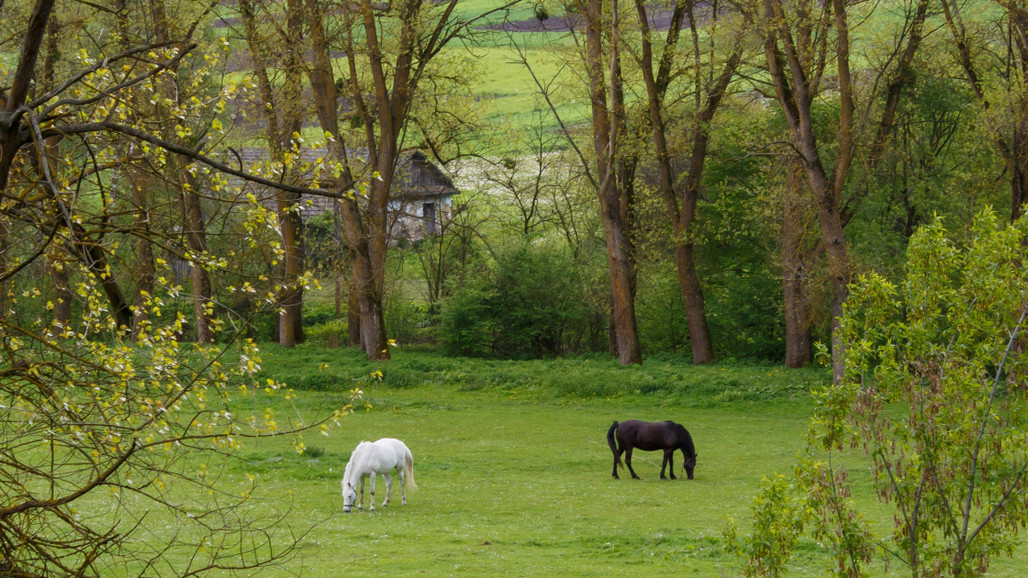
{"type": "Point", "coordinates": [732, 200]}
{"type": "Point", "coordinates": [678, 180]}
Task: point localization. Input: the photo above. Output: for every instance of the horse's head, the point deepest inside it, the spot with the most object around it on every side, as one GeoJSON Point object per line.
{"type": "Point", "coordinates": [688, 450]}
{"type": "Point", "coordinates": [349, 496]}
{"type": "Point", "coordinates": [690, 465]}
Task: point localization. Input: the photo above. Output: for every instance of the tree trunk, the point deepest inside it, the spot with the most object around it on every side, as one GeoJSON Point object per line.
{"type": "Point", "coordinates": [196, 242]}
{"type": "Point", "coordinates": [796, 91]}
{"type": "Point", "coordinates": [282, 117]}
{"type": "Point", "coordinates": [353, 319]}
{"type": "Point", "coordinates": [362, 229]}
{"type": "Point", "coordinates": [1018, 32]}
{"type": "Point", "coordinates": [620, 260]}
{"type": "Point", "coordinates": [1017, 165]}
{"type": "Point", "coordinates": [146, 263]}
{"type": "Point", "coordinates": [290, 295]}
{"type": "Point", "coordinates": [62, 289]}
{"type": "Point", "coordinates": [795, 270]}
{"type": "Point", "coordinates": [681, 209]}
{"type": "Point", "coordinates": [1014, 150]}
{"type": "Point", "coordinates": [5, 231]}
{"type": "Point", "coordinates": [194, 225]}
{"type": "Point", "coordinates": [839, 267]}
{"type": "Point", "coordinates": [621, 279]}
{"type": "Point", "coordinates": [363, 292]}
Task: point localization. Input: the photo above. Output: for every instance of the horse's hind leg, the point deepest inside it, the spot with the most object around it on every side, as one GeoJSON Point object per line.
{"type": "Point", "coordinates": [403, 486]}
{"type": "Point", "coordinates": [617, 458]}
{"type": "Point", "coordinates": [389, 489]}
{"type": "Point", "coordinates": [628, 462]}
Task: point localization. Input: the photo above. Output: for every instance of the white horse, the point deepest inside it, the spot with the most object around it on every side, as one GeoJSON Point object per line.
{"type": "Point", "coordinates": [381, 457]}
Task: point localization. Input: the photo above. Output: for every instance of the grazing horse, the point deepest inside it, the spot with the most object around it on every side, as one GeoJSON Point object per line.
{"type": "Point", "coordinates": [666, 435]}
{"type": "Point", "coordinates": [381, 457]}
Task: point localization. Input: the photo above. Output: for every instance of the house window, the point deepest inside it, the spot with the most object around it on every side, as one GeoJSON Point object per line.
{"type": "Point", "coordinates": [428, 215]}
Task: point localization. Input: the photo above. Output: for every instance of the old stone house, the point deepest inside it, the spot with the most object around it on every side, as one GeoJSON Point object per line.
{"type": "Point", "coordinates": [421, 201]}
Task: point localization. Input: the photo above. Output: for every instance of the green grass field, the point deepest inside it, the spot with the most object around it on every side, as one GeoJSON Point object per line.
{"type": "Point", "coordinates": [519, 487]}
{"type": "Point", "coordinates": [513, 471]}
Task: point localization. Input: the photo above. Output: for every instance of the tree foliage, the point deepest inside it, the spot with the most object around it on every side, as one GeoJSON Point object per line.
{"type": "Point", "coordinates": [927, 401]}
{"type": "Point", "coordinates": [104, 130]}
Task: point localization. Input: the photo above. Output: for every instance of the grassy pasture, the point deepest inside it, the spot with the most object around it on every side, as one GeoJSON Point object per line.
{"type": "Point", "coordinates": [513, 470]}
{"type": "Point", "coordinates": [514, 486]}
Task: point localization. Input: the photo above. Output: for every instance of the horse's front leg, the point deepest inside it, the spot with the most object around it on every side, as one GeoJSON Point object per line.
{"type": "Point", "coordinates": [628, 462]}
{"type": "Point", "coordinates": [372, 507]}
{"type": "Point", "coordinates": [669, 461]}
{"type": "Point", "coordinates": [360, 506]}
{"type": "Point", "coordinates": [389, 489]}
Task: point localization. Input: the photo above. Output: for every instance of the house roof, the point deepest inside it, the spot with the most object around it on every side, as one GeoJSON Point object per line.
{"type": "Point", "coordinates": [417, 177]}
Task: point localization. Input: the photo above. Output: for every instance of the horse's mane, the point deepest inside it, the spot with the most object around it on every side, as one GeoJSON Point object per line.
{"type": "Point", "coordinates": [685, 439]}
{"type": "Point", "coordinates": [351, 461]}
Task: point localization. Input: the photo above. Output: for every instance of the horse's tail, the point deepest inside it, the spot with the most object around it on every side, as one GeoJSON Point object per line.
{"type": "Point", "coordinates": [408, 470]}
{"type": "Point", "coordinates": [613, 443]}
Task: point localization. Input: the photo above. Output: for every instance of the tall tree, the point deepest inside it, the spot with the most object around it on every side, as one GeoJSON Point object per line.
{"type": "Point", "coordinates": [282, 111]}
{"type": "Point", "coordinates": [804, 42]}
{"type": "Point", "coordinates": [710, 86]}
{"type": "Point", "coordinates": [609, 167]}
{"type": "Point", "coordinates": [991, 47]}
{"type": "Point", "coordinates": [613, 173]}
{"type": "Point", "coordinates": [174, 93]}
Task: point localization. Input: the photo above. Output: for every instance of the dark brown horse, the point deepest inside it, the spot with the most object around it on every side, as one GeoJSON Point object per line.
{"type": "Point", "coordinates": [666, 435]}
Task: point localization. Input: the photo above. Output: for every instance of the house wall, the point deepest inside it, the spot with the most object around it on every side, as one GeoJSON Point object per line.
{"type": "Point", "coordinates": [411, 223]}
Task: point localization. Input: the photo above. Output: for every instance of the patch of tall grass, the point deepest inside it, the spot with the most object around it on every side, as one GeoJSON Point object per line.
{"type": "Point", "coordinates": [673, 378]}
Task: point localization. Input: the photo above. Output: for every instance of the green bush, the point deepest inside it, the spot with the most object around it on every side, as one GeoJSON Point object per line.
{"type": "Point", "coordinates": [408, 322]}
{"type": "Point", "coordinates": [331, 333]}
{"type": "Point", "coordinates": [532, 304]}
{"type": "Point", "coordinates": [467, 323]}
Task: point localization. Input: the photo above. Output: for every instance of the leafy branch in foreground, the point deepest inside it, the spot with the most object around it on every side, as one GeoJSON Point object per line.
{"type": "Point", "coordinates": [114, 432]}
{"type": "Point", "coordinates": [94, 423]}
{"type": "Point", "coordinates": [935, 398]}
